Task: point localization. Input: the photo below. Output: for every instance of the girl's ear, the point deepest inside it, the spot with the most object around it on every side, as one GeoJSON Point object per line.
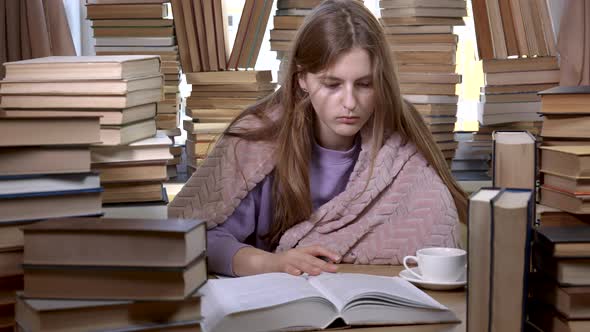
{"type": "Point", "coordinates": [302, 82]}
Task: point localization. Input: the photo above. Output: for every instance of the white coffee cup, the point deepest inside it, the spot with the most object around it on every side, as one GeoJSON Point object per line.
{"type": "Point", "coordinates": [439, 264]}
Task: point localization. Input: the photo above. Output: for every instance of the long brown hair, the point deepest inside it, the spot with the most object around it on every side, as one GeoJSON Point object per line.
{"type": "Point", "coordinates": [332, 29]}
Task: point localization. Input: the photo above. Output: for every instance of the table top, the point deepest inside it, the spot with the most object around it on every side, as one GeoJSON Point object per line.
{"type": "Point", "coordinates": [454, 300]}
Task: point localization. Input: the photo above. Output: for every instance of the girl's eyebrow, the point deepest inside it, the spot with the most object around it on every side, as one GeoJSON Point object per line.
{"type": "Point", "coordinates": [334, 78]}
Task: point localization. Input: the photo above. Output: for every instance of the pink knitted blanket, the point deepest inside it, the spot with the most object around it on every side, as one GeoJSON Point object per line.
{"type": "Point", "coordinates": [405, 206]}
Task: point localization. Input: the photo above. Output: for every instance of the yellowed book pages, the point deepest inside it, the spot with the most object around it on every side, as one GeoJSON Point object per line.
{"type": "Point", "coordinates": [229, 77]}
{"type": "Point", "coordinates": [514, 160]}
{"type": "Point", "coordinates": [80, 87]}
{"type": "Point", "coordinates": [114, 135]}
{"type": "Point", "coordinates": [131, 99]}
{"type": "Point", "coordinates": [111, 117]}
{"type": "Point", "coordinates": [26, 131]}
{"type": "Point", "coordinates": [58, 68]}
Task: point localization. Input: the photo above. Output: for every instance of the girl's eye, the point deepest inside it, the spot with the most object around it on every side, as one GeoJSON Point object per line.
{"type": "Point", "coordinates": [331, 85]}
{"type": "Point", "coordinates": [364, 84]}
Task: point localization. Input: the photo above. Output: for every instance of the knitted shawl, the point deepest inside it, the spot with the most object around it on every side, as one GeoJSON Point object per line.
{"type": "Point", "coordinates": [404, 207]}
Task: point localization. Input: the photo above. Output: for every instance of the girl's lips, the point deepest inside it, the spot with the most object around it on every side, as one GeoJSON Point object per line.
{"type": "Point", "coordinates": [348, 120]}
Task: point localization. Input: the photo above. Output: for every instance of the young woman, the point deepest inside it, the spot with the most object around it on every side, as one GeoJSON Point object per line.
{"type": "Point", "coordinates": [332, 167]}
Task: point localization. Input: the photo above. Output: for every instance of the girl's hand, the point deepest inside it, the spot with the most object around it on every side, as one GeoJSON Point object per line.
{"type": "Point", "coordinates": [305, 260]}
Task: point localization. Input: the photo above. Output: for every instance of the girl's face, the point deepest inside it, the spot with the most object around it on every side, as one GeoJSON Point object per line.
{"type": "Point", "coordinates": [342, 96]}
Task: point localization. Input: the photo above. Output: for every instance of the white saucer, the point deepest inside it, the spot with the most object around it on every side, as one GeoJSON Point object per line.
{"type": "Point", "coordinates": [434, 285]}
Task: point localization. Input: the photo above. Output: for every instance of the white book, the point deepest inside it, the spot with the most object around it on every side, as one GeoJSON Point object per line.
{"type": "Point", "coordinates": [149, 149]}
{"type": "Point", "coordinates": [18, 185]}
{"type": "Point", "coordinates": [170, 132]}
{"type": "Point", "coordinates": [431, 99]}
{"type": "Point", "coordinates": [279, 301]}
{"type": "Point", "coordinates": [135, 41]}
{"type": "Point", "coordinates": [493, 119]}
{"type": "Point", "coordinates": [503, 108]}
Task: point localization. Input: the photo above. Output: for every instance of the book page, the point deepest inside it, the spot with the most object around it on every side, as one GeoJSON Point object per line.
{"type": "Point", "coordinates": [342, 288]}
{"type": "Point", "coordinates": [226, 296]}
{"type": "Point", "coordinates": [264, 290]}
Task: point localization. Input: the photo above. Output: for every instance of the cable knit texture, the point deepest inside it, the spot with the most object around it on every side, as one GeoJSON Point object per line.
{"type": "Point", "coordinates": [404, 207]}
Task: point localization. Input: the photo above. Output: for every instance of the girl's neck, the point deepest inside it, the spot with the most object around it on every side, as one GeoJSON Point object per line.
{"type": "Point", "coordinates": [341, 145]}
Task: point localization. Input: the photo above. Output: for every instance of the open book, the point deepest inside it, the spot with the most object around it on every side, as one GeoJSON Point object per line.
{"type": "Point", "coordinates": [279, 301]}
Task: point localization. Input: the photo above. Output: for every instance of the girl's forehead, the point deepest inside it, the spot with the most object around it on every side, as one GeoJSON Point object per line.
{"type": "Point", "coordinates": [353, 64]}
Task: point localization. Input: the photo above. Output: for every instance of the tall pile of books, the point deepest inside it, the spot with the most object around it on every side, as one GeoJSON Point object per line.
{"type": "Point", "coordinates": [516, 42]}
{"type": "Point", "coordinates": [286, 21]}
{"type": "Point", "coordinates": [509, 99]}
{"type": "Point", "coordinates": [121, 90]}
{"type": "Point", "coordinates": [217, 98]}
{"type": "Point", "coordinates": [472, 157]}
{"type": "Point", "coordinates": [220, 88]}
{"type": "Point", "coordinates": [112, 274]}
{"type": "Point", "coordinates": [288, 17]}
{"type": "Point", "coordinates": [421, 37]}
{"type": "Point", "coordinates": [45, 169]}
{"type": "Point", "coordinates": [142, 27]}
{"type": "Point", "coordinates": [562, 241]}
{"type": "Point", "coordinates": [565, 154]}
{"type": "Point", "coordinates": [134, 173]}
{"type": "Point", "coordinates": [559, 287]}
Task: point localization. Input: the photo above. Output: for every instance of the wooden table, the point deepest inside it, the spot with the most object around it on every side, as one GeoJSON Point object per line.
{"type": "Point", "coordinates": [454, 300]}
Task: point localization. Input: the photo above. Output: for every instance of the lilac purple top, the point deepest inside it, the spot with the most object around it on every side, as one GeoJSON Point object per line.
{"type": "Point", "coordinates": [329, 173]}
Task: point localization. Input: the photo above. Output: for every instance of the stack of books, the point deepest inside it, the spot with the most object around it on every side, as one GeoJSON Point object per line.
{"type": "Point", "coordinates": [420, 33]}
{"type": "Point", "coordinates": [123, 27]}
{"type": "Point", "coordinates": [220, 88]}
{"type": "Point", "coordinates": [217, 98]}
{"type": "Point", "coordinates": [112, 274]}
{"type": "Point", "coordinates": [509, 98]}
{"type": "Point", "coordinates": [516, 42]}
{"type": "Point", "coordinates": [250, 34]}
{"type": "Point", "coordinates": [53, 110]}
{"type": "Point", "coordinates": [288, 18]}
{"type": "Point", "coordinates": [472, 157]}
{"type": "Point", "coordinates": [565, 154]}
{"type": "Point", "coordinates": [134, 173]}
{"type": "Point", "coordinates": [560, 286]}
{"type": "Point", "coordinates": [200, 29]}
{"type": "Point", "coordinates": [121, 90]}
{"type": "Point", "coordinates": [176, 151]}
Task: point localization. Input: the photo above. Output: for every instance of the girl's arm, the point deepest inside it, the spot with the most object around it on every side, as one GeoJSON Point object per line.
{"type": "Point", "coordinates": [249, 261]}
{"type": "Point", "coordinates": [224, 241]}
{"type": "Point", "coordinates": [228, 254]}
